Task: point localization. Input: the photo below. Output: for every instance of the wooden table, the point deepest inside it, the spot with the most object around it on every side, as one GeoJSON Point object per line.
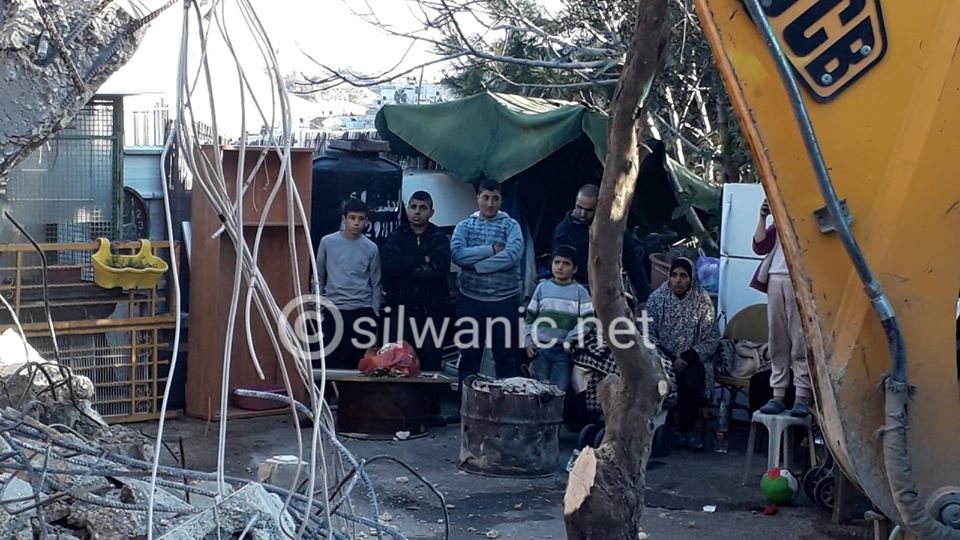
{"type": "Point", "coordinates": [381, 407]}
{"type": "Point", "coordinates": [353, 375]}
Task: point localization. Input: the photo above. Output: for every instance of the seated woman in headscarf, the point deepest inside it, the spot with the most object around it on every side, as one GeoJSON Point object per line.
{"type": "Point", "coordinates": [683, 327]}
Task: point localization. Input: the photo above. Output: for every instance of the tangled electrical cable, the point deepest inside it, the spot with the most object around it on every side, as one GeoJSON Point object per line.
{"type": "Point", "coordinates": [71, 464]}
{"type": "Point", "coordinates": [312, 509]}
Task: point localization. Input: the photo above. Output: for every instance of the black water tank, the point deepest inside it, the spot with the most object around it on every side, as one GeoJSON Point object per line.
{"type": "Point", "coordinates": [340, 173]}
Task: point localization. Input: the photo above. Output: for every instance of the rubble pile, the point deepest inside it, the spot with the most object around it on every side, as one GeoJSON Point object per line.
{"type": "Point", "coordinates": [32, 384]}
{"type": "Point", "coordinates": [59, 484]}
{"type": "Point", "coordinates": [516, 385]}
{"type": "Point", "coordinates": [65, 474]}
{"type": "Point", "coordinates": [44, 87]}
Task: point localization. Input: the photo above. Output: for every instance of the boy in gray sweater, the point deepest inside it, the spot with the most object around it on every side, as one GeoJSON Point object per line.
{"type": "Point", "coordinates": [348, 265]}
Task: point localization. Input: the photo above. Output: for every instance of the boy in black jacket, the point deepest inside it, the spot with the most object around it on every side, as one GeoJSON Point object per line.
{"type": "Point", "coordinates": [416, 262]}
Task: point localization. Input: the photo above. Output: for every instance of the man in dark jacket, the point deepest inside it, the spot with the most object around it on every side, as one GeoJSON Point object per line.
{"type": "Point", "coordinates": [416, 263]}
{"type": "Point", "coordinates": [574, 231]}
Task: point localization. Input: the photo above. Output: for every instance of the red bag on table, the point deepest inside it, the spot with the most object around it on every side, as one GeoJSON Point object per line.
{"type": "Point", "coordinates": [399, 359]}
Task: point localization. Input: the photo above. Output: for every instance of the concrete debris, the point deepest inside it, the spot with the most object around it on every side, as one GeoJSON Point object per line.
{"type": "Point", "coordinates": [64, 475]}
{"type": "Point", "coordinates": [60, 396]}
{"type": "Point", "coordinates": [39, 84]}
{"type": "Point", "coordinates": [287, 472]}
{"type": "Point", "coordinates": [18, 529]}
{"type": "Point", "coordinates": [124, 441]}
{"type": "Point", "coordinates": [104, 522]}
{"type": "Point", "coordinates": [516, 385]}
{"type": "Point", "coordinates": [14, 488]}
{"type": "Point", "coordinates": [234, 513]}
{"type": "Point", "coordinates": [138, 492]}
{"type": "Point", "coordinates": [205, 501]}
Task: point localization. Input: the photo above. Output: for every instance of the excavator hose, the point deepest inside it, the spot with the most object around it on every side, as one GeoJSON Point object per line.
{"type": "Point", "coordinates": [915, 516]}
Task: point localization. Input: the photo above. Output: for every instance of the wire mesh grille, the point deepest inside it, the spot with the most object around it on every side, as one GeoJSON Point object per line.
{"type": "Point", "coordinates": [77, 233]}
{"type": "Point", "coordinates": [96, 119]}
{"type": "Point", "coordinates": [123, 366]}
{"type": "Point", "coordinates": [74, 178]}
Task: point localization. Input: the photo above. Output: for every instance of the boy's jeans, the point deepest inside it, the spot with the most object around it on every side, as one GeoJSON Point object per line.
{"type": "Point", "coordinates": [554, 366]}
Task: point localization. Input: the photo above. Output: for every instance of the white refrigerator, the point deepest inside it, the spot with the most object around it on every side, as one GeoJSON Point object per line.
{"type": "Point", "coordinates": [738, 262]}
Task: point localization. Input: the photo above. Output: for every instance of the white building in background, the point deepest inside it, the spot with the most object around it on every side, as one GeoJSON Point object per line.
{"type": "Point", "coordinates": [411, 90]}
{"type": "Point", "coordinates": [146, 114]}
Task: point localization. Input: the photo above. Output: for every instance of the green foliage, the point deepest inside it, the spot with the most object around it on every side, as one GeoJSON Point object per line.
{"type": "Point", "coordinates": [689, 106]}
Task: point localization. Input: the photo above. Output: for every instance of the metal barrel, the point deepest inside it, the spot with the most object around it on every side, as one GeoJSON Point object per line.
{"type": "Point", "coordinates": [506, 434]}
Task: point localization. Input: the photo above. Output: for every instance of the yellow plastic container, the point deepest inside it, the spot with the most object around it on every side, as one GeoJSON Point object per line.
{"type": "Point", "coordinates": [140, 271]}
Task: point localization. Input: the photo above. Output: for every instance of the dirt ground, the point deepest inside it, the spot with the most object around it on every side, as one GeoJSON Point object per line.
{"type": "Point", "coordinates": [679, 487]}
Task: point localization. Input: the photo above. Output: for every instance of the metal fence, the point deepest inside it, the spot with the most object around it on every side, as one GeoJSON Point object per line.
{"type": "Point", "coordinates": [147, 127]}
{"type": "Point", "coordinates": [120, 339]}
{"type": "Point", "coordinates": [76, 178]}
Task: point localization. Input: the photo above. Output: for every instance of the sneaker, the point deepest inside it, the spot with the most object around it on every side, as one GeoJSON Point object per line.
{"type": "Point", "coordinates": [799, 410]}
{"type": "Point", "coordinates": [689, 441]}
{"type": "Point", "coordinates": [694, 442]}
{"type": "Point", "coordinates": [772, 407]}
{"type": "Point", "coordinates": [572, 460]}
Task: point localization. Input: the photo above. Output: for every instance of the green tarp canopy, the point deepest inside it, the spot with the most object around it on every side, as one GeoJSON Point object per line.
{"type": "Point", "coordinates": [497, 136]}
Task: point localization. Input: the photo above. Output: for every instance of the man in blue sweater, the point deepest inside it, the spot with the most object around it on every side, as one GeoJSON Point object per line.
{"type": "Point", "coordinates": [488, 248]}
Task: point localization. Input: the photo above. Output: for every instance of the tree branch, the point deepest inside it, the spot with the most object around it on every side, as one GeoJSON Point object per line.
{"type": "Point", "coordinates": [337, 77]}
{"type": "Point", "coordinates": [687, 142]}
{"type": "Point", "coordinates": [585, 84]}
{"type": "Point", "coordinates": [570, 46]}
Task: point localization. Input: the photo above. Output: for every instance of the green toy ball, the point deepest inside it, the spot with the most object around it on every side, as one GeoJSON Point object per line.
{"type": "Point", "coordinates": [779, 486]}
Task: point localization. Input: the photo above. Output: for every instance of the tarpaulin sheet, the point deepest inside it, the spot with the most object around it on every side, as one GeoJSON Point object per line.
{"type": "Point", "coordinates": [497, 136]}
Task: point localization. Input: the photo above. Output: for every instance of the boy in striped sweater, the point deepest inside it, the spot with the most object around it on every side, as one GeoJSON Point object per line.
{"type": "Point", "coordinates": [559, 312]}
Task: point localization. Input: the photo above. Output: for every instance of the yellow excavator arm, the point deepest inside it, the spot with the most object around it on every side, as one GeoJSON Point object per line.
{"type": "Point", "coordinates": [852, 110]}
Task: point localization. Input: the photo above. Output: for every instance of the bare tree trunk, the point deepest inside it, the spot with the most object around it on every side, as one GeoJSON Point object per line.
{"type": "Point", "coordinates": [707, 128]}
{"type": "Point", "coordinates": [605, 493]}
{"type": "Point", "coordinates": [652, 126]}
{"type": "Point", "coordinates": [729, 171]}
{"type": "Point", "coordinates": [675, 120]}
{"type": "Point", "coordinates": [51, 63]}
